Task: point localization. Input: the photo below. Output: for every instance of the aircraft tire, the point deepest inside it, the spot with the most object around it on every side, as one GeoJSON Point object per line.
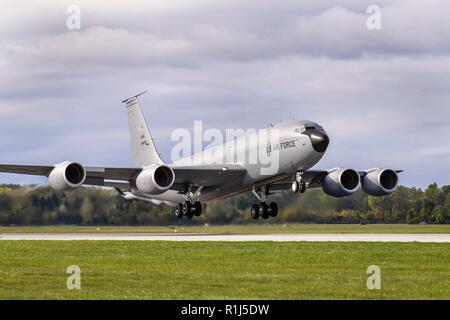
{"type": "Point", "coordinates": [302, 187]}
{"type": "Point", "coordinates": [254, 212]}
{"type": "Point", "coordinates": [197, 207]}
{"type": "Point", "coordinates": [263, 210]}
{"type": "Point", "coordinates": [186, 208]}
{"type": "Point", "coordinates": [295, 186]}
{"type": "Point", "coordinates": [178, 211]}
{"type": "Point", "coordinates": [273, 209]}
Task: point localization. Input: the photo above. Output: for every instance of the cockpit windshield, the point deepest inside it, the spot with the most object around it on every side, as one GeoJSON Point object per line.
{"type": "Point", "coordinates": [308, 128]}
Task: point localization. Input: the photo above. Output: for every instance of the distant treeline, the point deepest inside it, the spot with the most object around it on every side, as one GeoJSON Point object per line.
{"type": "Point", "coordinates": [29, 205]}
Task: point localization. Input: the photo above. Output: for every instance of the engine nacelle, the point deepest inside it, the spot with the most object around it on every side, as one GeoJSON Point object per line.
{"type": "Point", "coordinates": [380, 182]}
{"type": "Point", "coordinates": [155, 179]}
{"type": "Point", "coordinates": [341, 182]}
{"type": "Point", "coordinates": [67, 176]}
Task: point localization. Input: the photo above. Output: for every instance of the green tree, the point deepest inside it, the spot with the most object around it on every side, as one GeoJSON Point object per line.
{"type": "Point", "coordinates": [86, 211]}
{"type": "Point", "coordinates": [440, 214]}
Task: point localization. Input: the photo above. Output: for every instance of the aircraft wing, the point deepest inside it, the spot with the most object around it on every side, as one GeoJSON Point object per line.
{"type": "Point", "coordinates": [197, 175]}
{"type": "Point", "coordinates": [24, 169]}
{"type": "Point", "coordinates": [94, 176]}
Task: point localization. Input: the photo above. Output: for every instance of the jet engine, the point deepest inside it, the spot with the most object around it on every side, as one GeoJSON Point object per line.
{"type": "Point", "coordinates": [380, 182]}
{"type": "Point", "coordinates": [341, 182]}
{"type": "Point", "coordinates": [67, 176]}
{"type": "Point", "coordinates": [155, 179]}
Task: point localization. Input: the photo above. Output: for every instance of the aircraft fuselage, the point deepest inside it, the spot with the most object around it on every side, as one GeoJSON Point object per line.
{"type": "Point", "coordinates": [295, 149]}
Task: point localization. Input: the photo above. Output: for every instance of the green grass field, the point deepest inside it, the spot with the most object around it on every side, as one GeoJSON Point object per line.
{"type": "Point", "coordinates": [242, 229]}
{"type": "Point", "coordinates": [223, 270]}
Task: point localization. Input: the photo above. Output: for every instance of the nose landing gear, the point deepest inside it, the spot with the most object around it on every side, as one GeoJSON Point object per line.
{"type": "Point", "coordinates": [298, 185]}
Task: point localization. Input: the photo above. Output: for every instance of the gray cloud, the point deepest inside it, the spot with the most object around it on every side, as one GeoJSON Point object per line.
{"type": "Point", "coordinates": [382, 95]}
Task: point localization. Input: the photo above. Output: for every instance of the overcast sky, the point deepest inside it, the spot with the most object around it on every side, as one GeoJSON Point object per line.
{"type": "Point", "coordinates": [382, 95]}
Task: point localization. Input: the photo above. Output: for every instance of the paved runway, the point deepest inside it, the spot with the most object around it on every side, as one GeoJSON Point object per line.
{"type": "Point", "coordinates": [445, 238]}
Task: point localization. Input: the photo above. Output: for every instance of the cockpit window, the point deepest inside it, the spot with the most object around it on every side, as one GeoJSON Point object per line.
{"type": "Point", "coordinates": [300, 129]}
{"type": "Point", "coordinates": [308, 127]}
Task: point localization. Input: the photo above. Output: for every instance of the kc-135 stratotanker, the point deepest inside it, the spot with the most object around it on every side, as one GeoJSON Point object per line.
{"type": "Point", "coordinates": [186, 184]}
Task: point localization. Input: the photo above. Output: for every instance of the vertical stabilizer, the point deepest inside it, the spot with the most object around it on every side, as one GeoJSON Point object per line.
{"type": "Point", "coordinates": [142, 144]}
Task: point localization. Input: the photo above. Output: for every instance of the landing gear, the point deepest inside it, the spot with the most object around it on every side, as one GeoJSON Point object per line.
{"type": "Point", "coordinates": [178, 211]}
{"type": "Point", "coordinates": [298, 185]}
{"type": "Point", "coordinates": [197, 208]}
{"type": "Point", "coordinates": [295, 186]}
{"type": "Point", "coordinates": [191, 206]}
{"type": "Point", "coordinates": [186, 208]}
{"type": "Point", "coordinates": [302, 188]}
{"type": "Point", "coordinates": [263, 210]}
{"type": "Point", "coordinates": [189, 210]}
{"type": "Point", "coordinates": [254, 212]}
{"type": "Point", "coordinates": [273, 209]}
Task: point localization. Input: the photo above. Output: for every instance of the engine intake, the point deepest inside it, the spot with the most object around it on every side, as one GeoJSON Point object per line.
{"type": "Point", "coordinates": [380, 182]}
{"type": "Point", "coordinates": [67, 176]}
{"type": "Point", "coordinates": [341, 182]}
{"type": "Point", "coordinates": [155, 179]}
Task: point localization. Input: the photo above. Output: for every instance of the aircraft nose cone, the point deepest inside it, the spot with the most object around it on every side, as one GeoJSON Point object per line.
{"type": "Point", "coordinates": [319, 141]}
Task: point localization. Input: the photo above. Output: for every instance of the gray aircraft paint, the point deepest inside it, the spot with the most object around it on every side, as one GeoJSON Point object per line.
{"type": "Point", "coordinates": [301, 157]}
{"type": "Point", "coordinates": [193, 178]}
{"type": "Point", "coordinates": [142, 145]}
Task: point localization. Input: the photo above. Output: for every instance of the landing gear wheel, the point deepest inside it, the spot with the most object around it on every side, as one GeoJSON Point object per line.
{"type": "Point", "coordinates": [254, 212]}
{"type": "Point", "coordinates": [197, 208]}
{"type": "Point", "coordinates": [295, 186]}
{"type": "Point", "coordinates": [178, 211]}
{"type": "Point", "coordinates": [186, 209]}
{"type": "Point", "coordinates": [263, 210]}
{"type": "Point", "coordinates": [273, 209]}
{"type": "Point", "coordinates": [302, 187]}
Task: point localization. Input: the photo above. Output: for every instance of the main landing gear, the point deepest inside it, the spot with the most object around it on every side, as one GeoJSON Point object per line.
{"type": "Point", "coordinates": [188, 209]}
{"type": "Point", "coordinates": [263, 210]}
{"type": "Point", "coordinates": [191, 206]}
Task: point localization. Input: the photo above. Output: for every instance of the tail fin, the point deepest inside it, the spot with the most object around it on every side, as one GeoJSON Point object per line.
{"type": "Point", "coordinates": [142, 144]}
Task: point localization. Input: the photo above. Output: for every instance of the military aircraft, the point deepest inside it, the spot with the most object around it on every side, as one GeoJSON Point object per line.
{"type": "Point", "coordinates": [186, 184]}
